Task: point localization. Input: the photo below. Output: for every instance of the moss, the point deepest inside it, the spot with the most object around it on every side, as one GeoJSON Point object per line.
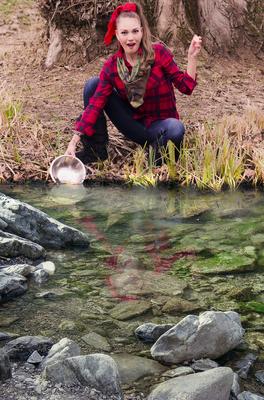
{"type": "Point", "coordinates": [254, 306]}
{"type": "Point", "coordinates": [224, 263]}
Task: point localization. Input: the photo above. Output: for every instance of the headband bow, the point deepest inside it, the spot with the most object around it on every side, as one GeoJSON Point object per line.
{"type": "Point", "coordinates": [112, 23]}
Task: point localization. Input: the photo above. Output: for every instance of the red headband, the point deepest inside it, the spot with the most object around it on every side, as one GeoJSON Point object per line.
{"type": "Point", "coordinates": [112, 23]}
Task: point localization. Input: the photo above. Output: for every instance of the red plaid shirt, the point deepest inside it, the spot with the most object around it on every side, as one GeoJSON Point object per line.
{"type": "Point", "coordinates": [159, 99]}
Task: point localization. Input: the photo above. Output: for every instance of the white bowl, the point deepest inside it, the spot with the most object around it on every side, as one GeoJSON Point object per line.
{"type": "Point", "coordinates": [67, 169]}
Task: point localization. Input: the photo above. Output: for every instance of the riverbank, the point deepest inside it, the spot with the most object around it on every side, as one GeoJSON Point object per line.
{"type": "Point", "coordinates": [224, 117]}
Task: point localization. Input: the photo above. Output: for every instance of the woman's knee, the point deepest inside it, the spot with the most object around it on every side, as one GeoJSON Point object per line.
{"type": "Point", "coordinates": [174, 129]}
{"type": "Point", "coordinates": [89, 89]}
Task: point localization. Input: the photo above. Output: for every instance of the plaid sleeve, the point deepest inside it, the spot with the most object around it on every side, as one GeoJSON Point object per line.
{"type": "Point", "coordinates": [96, 104]}
{"type": "Point", "coordinates": [181, 80]}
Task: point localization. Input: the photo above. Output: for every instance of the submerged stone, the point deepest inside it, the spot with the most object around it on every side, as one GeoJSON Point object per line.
{"type": "Point", "coordinates": [224, 263]}
{"type": "Point", "coordinates": [130, 309]}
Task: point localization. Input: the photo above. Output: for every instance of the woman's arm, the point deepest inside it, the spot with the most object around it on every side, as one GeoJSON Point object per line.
{"type": "Point", "coordinates": [194, 50]}
{"type": "Point", "coordinates": [71, 149]}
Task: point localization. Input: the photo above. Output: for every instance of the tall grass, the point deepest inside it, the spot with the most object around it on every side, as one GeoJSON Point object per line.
{"type": "Point", "coordinates": [26, 149]}
{"type": "Point", "coordinates": [213, 156]}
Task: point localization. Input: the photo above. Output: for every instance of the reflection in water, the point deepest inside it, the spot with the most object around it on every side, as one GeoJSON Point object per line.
{"type": "Point", "coordinates": [150, 245]}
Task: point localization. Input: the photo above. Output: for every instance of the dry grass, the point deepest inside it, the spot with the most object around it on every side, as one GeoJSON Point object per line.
{"type": "Point", "coordinates": [213, 156]}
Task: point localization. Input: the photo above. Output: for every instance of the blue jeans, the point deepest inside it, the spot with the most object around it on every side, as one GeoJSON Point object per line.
{"type": "Point", "coordinates": [121, 115]}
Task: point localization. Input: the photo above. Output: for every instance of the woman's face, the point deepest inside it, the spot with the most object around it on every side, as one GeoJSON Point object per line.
{"type": "Point", "coordinates": [129, 34]}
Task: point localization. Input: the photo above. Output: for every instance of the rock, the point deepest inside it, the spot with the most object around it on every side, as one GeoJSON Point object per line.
{"type": "Point", "coordinates": [176, 305]}
{"type": "Point", "coordinates": [235, 390]}
{"type": "Point", "coordinates": [131, 368]}
{"type": "Point", "coordinates": [7, 321]}
{"type": "Point", "coordinates": [20, 269]}
{"type": "Point", "coordinates": [40, 276]}
{"type": "Point", "coordinates": [249, 396]}
{"type": "Point", "coordinates": [4, 336]}
{"type": "Point", "coordinates": [180, 371]}
{"type": "Point", "coordinates": [204, 365]}
{"type": "Point", "coordinates": [150, 332]}
{"type": "Point", "coordinates": [30, 223]}
{"type": "Point", "coordinates": [14, 246]}
{"type": "Point", "coordinates": [98, 371]}
{"type": "Point", "coordinates": [67, 325]}
{"type": "Point", "coordinates": [142, 283]}
{"type": "Point", "coordinates": [244, 365]}
{"type": "Point", "coordinates": [5, 367]}
{"type": "Point", "coordinates": [3, 224]}
{"type": "Point", "coordinates": [61, 350]}
{"type": "Point", "coordinates": [11, 286]}
{"type": "Point", "coordinates": [189, 339]}
{"type": "Point", "coordinates": [47, 266]}
{"type": "Point", "coordinates": [97, 341]}
{"type": "Point", "coordinates": [21, 348]}
{"type": "Point", "coordinates": [260, 376]}
{"type": "Point", "coordinates": [35, 358]}
{"type": "Point", "coordinates": [224, 263]}
{"type": "Point", "coordinates": [127, 310]}
{"type": "Point", "coordinates": [213, 384]}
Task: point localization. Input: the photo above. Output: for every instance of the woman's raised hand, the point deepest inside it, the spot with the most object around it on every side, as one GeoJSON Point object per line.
{"type": "Point", "coordinates": [195, 46]}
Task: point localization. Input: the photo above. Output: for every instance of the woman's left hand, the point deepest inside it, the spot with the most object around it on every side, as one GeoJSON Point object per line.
{"type": "Point", "coordinates": [195, 47]}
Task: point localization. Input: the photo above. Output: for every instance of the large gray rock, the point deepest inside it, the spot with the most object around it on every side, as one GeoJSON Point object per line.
{"type": "Point", "coordinates": [65, 348]}
{"type": "Point", "coordinates": [21, 348]}
{"type": "Point", "coordinates": [131, 368]}
{"type": "Point", "coordinates": [211, 334]}
{"type": "Point", "coordinates": [249, 396]}
{"type": "Point", "coordinates": [14, 246]}
{"type": "Point", "coordinates": [30, 223]}
{"type": "Point", "coordinates": [11, 286]}
{"type": "Point", "coordinates": [5, 366]}
{"type": "Point", "coordinates": [213, 384]}
{"type": "Point", "coordinates": [98, 371]}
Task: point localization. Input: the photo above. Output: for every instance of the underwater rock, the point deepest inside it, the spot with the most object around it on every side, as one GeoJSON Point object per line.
{"type": "Point", "coordinates": [213, 384]}
{"type": "Point", "coordinates": [97, 341]}
{"type": "Point", "coordinates": [211, 334]}
{"type": "Point", "coordinates": [11, 286]}
{"type": "Point", "coordinates": [14, 246]}
{"type": "Point", "coordinates": [33, 224]}
{"type": "Point", "coordinates": [130, 309]}
{"type": "Point", "coordinates": [131, 368]}
{"type": "Point", "coordinates": [223, 263]}
{"type": "Point", "coordinates": [177, 305]}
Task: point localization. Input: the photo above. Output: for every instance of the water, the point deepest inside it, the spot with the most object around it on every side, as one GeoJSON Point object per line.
{"type": "Point", "coordinates": [161, 254]}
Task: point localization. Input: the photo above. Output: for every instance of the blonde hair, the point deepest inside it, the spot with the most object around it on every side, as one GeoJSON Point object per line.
{"type": "Point", "coordinates": [148, 52]}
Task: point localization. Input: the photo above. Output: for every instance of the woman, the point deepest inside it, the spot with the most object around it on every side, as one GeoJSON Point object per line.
{"type": "Point", "coordinates": [135, 89]}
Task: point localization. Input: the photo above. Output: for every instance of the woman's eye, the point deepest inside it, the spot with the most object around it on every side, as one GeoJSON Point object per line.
{"type": "Point", "coordinates": [135, 31]}
{"type": "Point", "coordinates": [123, 33]}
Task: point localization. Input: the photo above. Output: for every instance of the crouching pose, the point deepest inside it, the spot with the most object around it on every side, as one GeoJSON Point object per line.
{"type": "Point", "coordinates": [135, 90]}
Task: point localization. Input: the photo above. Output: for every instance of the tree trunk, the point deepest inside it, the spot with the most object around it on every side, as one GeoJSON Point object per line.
{"type": "Point", "coordinates": [221, 23]}
{"type": "Point", "coordinates": [225, 25]}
